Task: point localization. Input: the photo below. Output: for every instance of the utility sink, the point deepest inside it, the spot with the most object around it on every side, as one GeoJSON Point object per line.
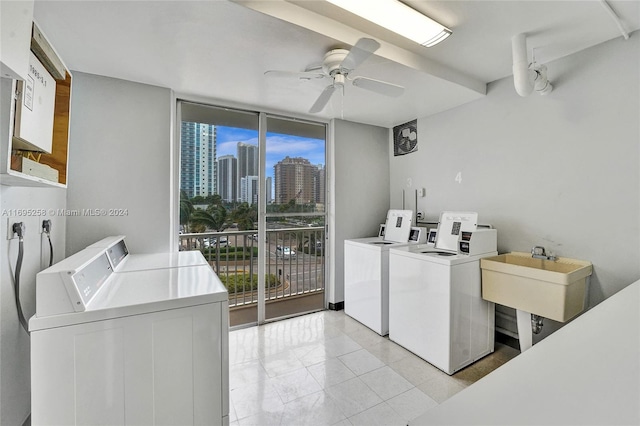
{"type": "Point", "coordinates": [553, 289]}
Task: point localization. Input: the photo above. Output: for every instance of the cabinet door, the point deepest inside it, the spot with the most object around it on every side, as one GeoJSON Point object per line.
{"type": "Point", "coordinates": [15, 38]}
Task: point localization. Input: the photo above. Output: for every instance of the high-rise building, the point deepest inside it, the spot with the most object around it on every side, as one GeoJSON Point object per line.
{"type": "Point", "coordinates": [197, 159]}
{"type": "Point", "coordinates": [248, 161]}
{"type": "Point", "coordinates": [294, 181]}
{"type": "Point", "coordinates": [249, 189]}
{"type": "Point", "coordinates": [228, 178]}
{"type": "Point", "coordinates": [247, 164]}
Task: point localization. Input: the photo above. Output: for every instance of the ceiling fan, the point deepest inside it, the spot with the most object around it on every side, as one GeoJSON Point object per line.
{"type": "Point", "coordinates": [337, 66]}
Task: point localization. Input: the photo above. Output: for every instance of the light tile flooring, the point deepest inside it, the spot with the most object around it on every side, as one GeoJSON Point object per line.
{"type": "Point", "coordinates": [327, 369]}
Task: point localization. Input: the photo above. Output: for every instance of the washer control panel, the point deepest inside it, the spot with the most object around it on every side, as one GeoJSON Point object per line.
{"type": "Point", "coordinates": [479, 241]}
{"type": "Point", "coordinates": [88, 280]}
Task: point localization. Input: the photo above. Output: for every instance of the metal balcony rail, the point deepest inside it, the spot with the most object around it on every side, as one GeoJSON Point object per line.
{"type": "Point", "coordinates": [294, 262]}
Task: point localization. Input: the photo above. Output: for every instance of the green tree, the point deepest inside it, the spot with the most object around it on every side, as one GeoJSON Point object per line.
{"type": "Point", "coordinates": [186, 209]}
{"type": "Point", "coordinates": [289, 207]}
{"type": "Point", "coordinates": [219, 213]}
{"type": "Point", "coordinates": [245, 216]}
{"type": "Point", "coordinates": [198, 199]}
{"type": "Point", "coordinates": [213, 221]}
{"type": "Point", "coordinates": [213, 199]}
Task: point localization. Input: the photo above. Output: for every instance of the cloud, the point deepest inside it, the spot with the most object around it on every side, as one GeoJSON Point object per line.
{"type": "Point", "coordinates": [227, 139]}
{"type": "Point", "coordinates": [226, 134]}
{"type": "Point", "coordinates": [278, 146]}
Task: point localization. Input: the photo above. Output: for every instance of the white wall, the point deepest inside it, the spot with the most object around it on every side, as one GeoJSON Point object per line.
{"type": "Point", "coordinates": [120, 158]}
{"type": "Point", "coordinates": [22, 204]}
{"type": "Point", "coordinates": [360, 190]}
{"type": "Point", "coordinates": [15, 372]}
{"type": "Point", "coordinates": [561, 171]}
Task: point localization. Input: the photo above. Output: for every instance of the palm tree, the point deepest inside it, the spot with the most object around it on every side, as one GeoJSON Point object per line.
{"type": "Point", "coordinates": [214, 220]}
{"type": "Point", "coordinates": [214, 199]}
{"type": "Point", "coordinates": [219, 213]}
{"type": "Point", "coordinates": [186, 208]}
{"type": "Point", "coordinates": [245, 216]}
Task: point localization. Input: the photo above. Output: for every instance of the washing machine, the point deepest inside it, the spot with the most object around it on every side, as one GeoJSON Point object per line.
{"type": "Point", "coordinates": [436, 308]}
{"type": "Point", "coordinates": [124, 261]}
{"type": "Point", "coordinates": [366, 270]}
{"type": "Point", "coordinates": [138, 347]}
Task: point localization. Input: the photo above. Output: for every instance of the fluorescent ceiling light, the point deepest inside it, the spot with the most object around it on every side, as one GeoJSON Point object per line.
{"type": "Point", "coordinates": [399, 18]}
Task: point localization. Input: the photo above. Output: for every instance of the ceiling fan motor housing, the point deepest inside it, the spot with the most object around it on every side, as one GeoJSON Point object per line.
{"type": "Point", "coordinates": [333, 62]}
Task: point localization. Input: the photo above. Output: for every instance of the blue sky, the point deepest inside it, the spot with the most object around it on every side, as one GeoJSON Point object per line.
{"type": "Point", "coordinates": [278, 145]}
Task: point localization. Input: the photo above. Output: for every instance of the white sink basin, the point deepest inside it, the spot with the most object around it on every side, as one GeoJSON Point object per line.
{"type": "Point", "coordinates": [551, 289]}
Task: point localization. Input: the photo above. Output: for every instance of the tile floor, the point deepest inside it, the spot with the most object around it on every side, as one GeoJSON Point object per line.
{"type": "Point", "coordinates": [327, 369]}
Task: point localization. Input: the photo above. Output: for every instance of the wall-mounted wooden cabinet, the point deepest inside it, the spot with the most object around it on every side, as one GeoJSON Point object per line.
{"type": "Point", "coordinates": [35, 136]}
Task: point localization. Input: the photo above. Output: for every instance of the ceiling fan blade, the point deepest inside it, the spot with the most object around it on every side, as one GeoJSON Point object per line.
{"type": "Point", "coordinates": [323, 99]}
{"type": "Point", "coordinates": [378, 86]}
{"type": "Point", "coordinates": [306, 75]}
{"type": "Point", "coordinates": [359, 53]}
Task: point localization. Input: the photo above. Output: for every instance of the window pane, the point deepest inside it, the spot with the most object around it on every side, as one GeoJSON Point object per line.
{"type": "Point", "coordinates": [296, 173]}
{"type": "Point", "coordinates": [220, 186]}
{"type": "Point", "coordinates": [218, 199]}
{"type": "Point", "coordinates": [296, 169]}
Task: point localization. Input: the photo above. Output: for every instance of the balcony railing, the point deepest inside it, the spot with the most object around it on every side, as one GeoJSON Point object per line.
{"type": "Point", "coordinates": [294, 262]}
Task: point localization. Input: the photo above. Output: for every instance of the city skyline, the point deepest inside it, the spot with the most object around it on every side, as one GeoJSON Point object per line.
{"type": "Point", "coordinates": [278, 146]}
{"type": "Point", "coordinates": [235, 163]}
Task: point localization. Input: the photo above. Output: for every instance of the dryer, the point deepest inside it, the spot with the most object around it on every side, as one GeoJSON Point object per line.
{"type": "Point", "coordinates": [138, 347]}
{"type": "Point", "coordinates": [436, 308]}
{"type": "Point", "coordinates": [366, 270]}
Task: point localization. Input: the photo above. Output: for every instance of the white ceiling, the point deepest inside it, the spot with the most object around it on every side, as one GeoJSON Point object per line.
{"type": "Point", "coordinates": [219, 50]}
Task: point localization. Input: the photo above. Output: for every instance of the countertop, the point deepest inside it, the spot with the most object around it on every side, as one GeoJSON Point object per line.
{"type": "Point", "coordinates": [586, 373]}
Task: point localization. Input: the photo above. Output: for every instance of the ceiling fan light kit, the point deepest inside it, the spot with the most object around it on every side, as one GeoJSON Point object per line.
{"type": "Point", "coordinates": [399, 18]}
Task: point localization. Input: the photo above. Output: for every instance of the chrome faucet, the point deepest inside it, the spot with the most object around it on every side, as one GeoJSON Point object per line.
{"type": "Point", "coordinates": [538, 252]}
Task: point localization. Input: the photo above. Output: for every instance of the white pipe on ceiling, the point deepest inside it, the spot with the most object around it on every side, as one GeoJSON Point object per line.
{"type": "Point", "coordinates": [523, 77]}
{"type": "Point", "coordinates": [527, 77]}
{"type": "Point", "coordinates": [615, 17]}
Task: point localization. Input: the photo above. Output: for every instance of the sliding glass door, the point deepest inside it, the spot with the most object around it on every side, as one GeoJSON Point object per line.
{"type": "Point", "coordinates": [294, 216]}
{"type": "Point", "coordinates": [252, 200]}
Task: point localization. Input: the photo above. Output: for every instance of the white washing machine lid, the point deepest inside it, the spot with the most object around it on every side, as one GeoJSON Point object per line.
{"type": "Point", "coordinates": [140, 292]}
{"type": "Point", "coordinates": [451, 259]}
{"type": "Point", "coordinates": [431, 254]}
{"type": "Point", "coordinates": [379, 243]}
{"type": "Point", "coordinates": [160, 286]}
